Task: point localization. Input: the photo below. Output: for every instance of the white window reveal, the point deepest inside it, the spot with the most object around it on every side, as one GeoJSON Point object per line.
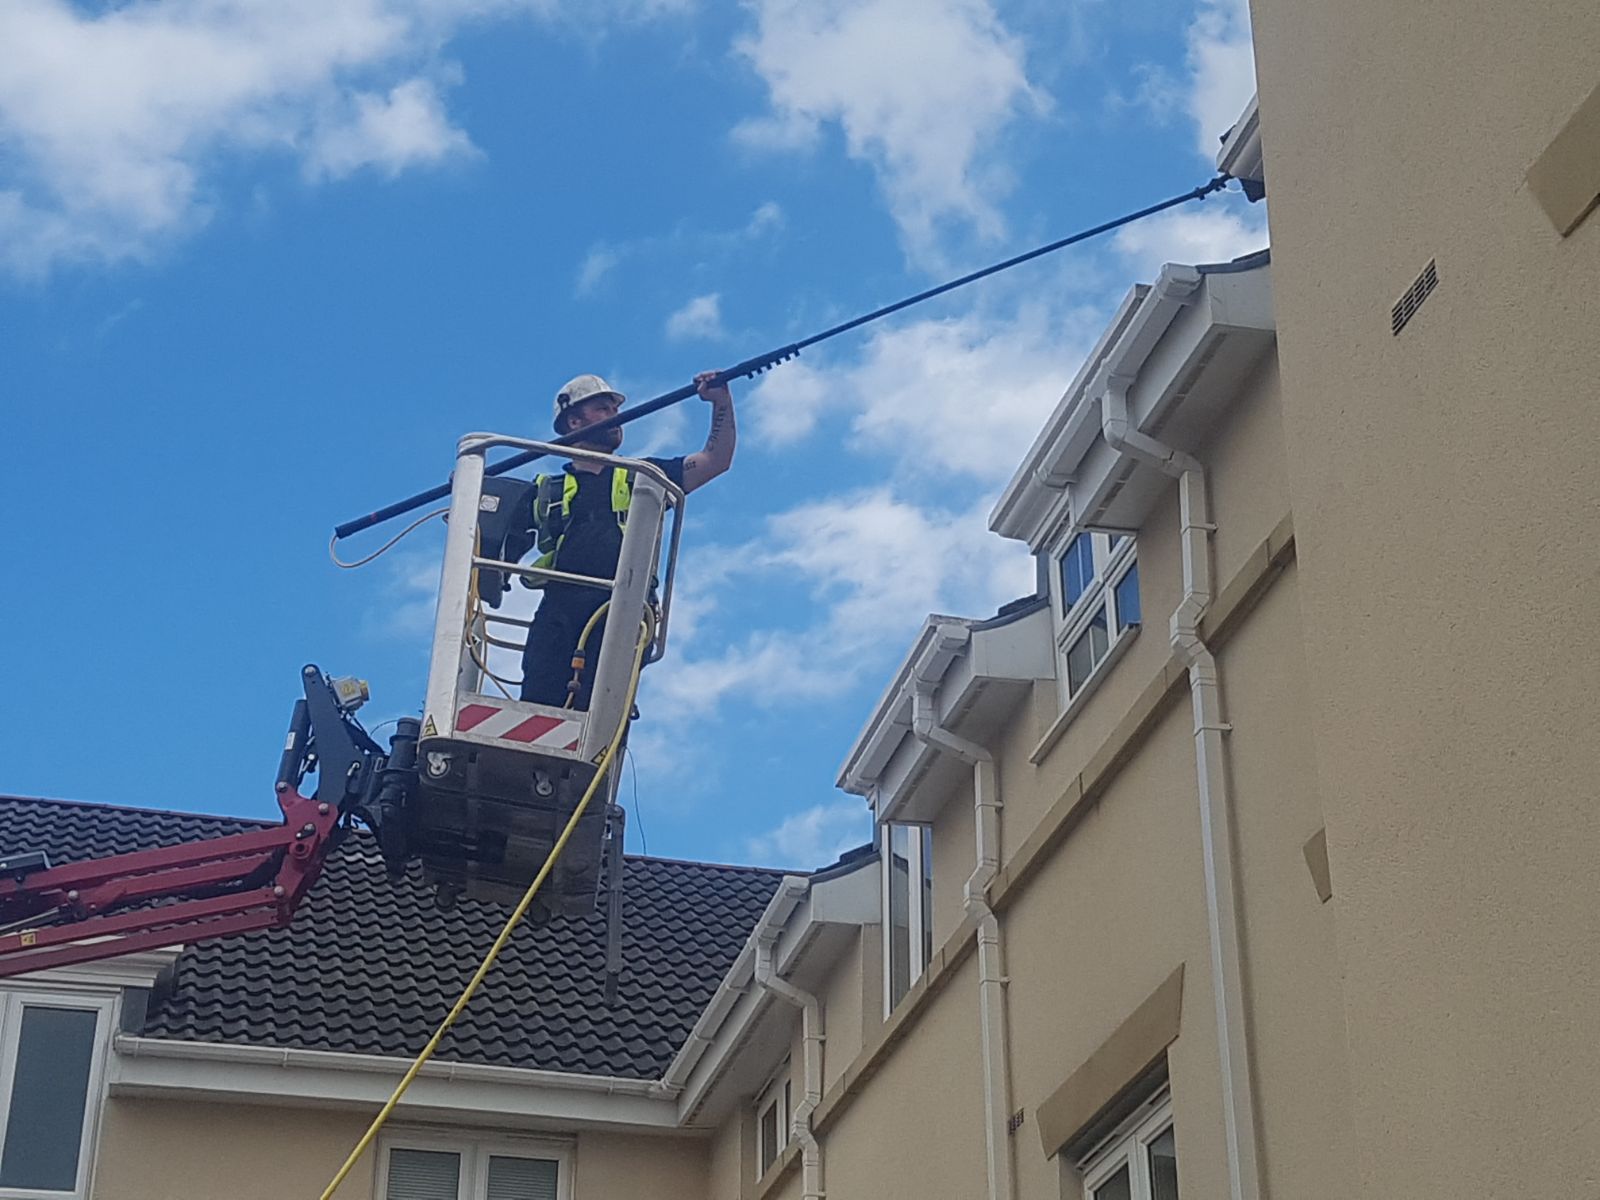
{"type": "Point", "coordinates": [907, 855]}
{"type": "Point", "coordinates": [52, 1064]}
{"type": "Point", "coordinates": [1097, 605]}
{"type": "Point", "coordinates": [773, 1113]}
{"type": "Point", "coordinates": [422, 1167]}
{"type": "Point", "coordinates": [1137, 1162]}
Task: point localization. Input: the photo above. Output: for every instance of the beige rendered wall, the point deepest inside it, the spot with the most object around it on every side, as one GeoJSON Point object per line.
{"type": "Point", "coordinates": [610, 1165]}
{"type": "Point", "coordinates": [1118, 907]}
{"type": "Point", "coordinates": [1295, 1012]}
{"type": "Point", "coordinates": [955, 852]}
{"type": "Point", "coordinates": [1445, 486]}
{"type": "Point", "coordinates": [730, 1157]}
{"type": "Point", "coordinates": [915, 1129]}
{"type": "Point", "coordinates": [164, 1149]}
{"type": "Point", "coordinates": [152, 1149]}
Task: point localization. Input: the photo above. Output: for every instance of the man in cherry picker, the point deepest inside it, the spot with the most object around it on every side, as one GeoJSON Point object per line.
{"type": "Point", "coordinates": [577, 520]}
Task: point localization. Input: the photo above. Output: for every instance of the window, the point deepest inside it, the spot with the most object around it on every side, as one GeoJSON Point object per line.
{"type": "Point", "coordinates": [422, 1167]}
{"type": "Point", "coordinates": [51, 1061]}
{"type": "Point", "coordinates": [1098, 604]}
{"type": "Point", "coordinates": [908, 931]}
{"type": "Point", "coordinates": [1139, 1161]}
{"type": "Point", "coordinates": [772, 1121]}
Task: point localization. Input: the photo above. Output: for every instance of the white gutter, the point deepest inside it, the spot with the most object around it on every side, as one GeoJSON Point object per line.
{"type": "Point", "coordinates": [995, 1034]}
{"type": "Point", "coordinates": [1171, 292]}
{"type": "Point", "coordinates": [812, 1035]}
{"type": "Point", "coordinates": [133, 1047]}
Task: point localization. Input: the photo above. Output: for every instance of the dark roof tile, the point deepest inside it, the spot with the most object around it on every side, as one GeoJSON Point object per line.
{"type": "Point", "coordinates": [370, 967]}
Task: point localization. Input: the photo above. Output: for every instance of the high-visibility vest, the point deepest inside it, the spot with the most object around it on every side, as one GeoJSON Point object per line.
{"type": "Point", "coordinates": [552, 508]}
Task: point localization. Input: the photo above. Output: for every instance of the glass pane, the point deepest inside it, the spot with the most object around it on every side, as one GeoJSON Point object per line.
{"type": "Point", "coordinates": [899, 927]}
{"type": "Point", "coordinates": [1085, 653]}
{"type": "Point", "coordinates": [50, 1091]}
{"type": "Point", "coordinates": [927, 898]}
{"type": "Point", "coordinates": [1128, 599]}
{"type": "Point", "coordinates": [1163, 1154]}
{"type": "Point", "coordinates": [423, 1175]}
{"type": "Point", "coordinates": [521, 1178]}
{"type": "Point", "coordinates": [1118, 1187]}
{"type": "Point", "coordinates": [769, 1136]}
{"type": "Point", "coordinates": [1077, 569]}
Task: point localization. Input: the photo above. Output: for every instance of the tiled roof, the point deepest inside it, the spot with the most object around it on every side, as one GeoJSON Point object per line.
{"type": "Point", "coordinates": [370, 967]}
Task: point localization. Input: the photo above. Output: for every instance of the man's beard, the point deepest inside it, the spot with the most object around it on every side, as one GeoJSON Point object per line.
{"type": "Point", "coordinates": [604, 440]}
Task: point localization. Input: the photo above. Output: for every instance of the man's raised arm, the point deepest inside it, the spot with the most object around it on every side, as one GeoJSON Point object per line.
{"type": "Point", "coordinates": [706, 464]}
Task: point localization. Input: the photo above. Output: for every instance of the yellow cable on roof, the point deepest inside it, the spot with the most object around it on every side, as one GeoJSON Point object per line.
{"type": "Point", "coordinates": [505, 934]}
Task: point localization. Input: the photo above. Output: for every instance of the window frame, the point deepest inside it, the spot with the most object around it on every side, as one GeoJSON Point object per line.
{"type": "Point", "coordinates": [919, 905]}
{"type": "Point", "coordinates": [1114, 557]}
{"type": "Point", "coordinates": [779, 1092]}
{"type": "Point", "coordinates": [475, 1151]}
{"type": "Point", "coordinates": [104, 1005]}
{"type": "Point", "coordinates": [1126, 1145]}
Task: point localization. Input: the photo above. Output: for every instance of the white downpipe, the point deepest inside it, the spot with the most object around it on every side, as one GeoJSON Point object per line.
{"type": "Point", "coordinates": [812, 1036]}
{"type": "Point", "coordinates": [991, 951]}
{"type": "Point", "coordinates": [1217, 838]}
{"type": "Point", "coordinates": [1176, 288]}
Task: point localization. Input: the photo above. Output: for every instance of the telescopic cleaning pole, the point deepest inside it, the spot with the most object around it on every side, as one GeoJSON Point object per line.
{"type": "Point", "coordinates": [763, 362]}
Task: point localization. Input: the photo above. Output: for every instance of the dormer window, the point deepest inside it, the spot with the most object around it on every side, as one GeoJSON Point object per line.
{"type": "Point", "coordinates": [1097, 604]}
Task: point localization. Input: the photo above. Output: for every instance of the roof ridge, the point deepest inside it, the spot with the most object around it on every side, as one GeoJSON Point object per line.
{"type": "Point", "coordinates": [137, 808]}
{"type": "Point", "coordinates": [720, 866]}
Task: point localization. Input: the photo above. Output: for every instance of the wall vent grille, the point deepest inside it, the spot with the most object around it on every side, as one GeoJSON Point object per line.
{"type": "Point", "coordinates": [1014, 1122]}
{"type": "Point", "coordinates": [1406, 307]}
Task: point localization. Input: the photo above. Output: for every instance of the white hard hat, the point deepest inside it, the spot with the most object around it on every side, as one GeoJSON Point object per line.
{"type": "Point", "coordinates": [578, 389]}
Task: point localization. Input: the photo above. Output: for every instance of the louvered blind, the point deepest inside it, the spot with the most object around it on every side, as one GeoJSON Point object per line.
{"type": "Point", "coordinates": [423, 1175]}
{"type": "Point", "coordinates": [521, 1178]}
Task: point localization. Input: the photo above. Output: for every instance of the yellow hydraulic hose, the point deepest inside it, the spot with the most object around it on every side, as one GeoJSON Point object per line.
{"type": "Point", "coordinates": [576, 685]}
{"type": "Point", "coordinates": [505, 934]}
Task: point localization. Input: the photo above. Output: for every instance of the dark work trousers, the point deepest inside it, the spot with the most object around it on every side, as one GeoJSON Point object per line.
{"type": "Point", "coordinates": [547, 660]}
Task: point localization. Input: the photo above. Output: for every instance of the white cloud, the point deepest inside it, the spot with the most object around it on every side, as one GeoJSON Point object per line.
{"type": "Point", "coordinates": [406, 128]}
{"type": "Point", "coordinates": [813, 837]}
{"type": "Point", "coordinates": [1222, 69]}
{"type": "Point", "coordinates": [604, 257]}
{"type": "Point", "coordinates": [119, 119]}
{"type": "Point", "coordinates": [601, 260]}
{"type": "Point", "coordinates": [961, 395]}
{"type": "Point", "coordinates": [700, 318]}
{"type": "Point", "coordinates": [1196, 235]}
{"type": "Point", "coordinates": [409, 592]}
{"type": "Point", "coordinates": [920, 89]}
{"type": "Point", "coordinates": [872, 565]}
{"type": "Point", "coordinates": [114, 118]}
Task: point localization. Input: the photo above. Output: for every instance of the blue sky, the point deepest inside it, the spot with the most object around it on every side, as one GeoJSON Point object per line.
{"type": "Point", "coordinates": [261, 265]}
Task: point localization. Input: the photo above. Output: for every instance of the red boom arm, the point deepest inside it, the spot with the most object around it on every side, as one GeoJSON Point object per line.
{"type": "Point", "coordinates": [85, 911]}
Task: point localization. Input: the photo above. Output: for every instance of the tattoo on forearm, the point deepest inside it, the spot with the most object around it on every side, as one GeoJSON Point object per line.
{"type": "Point", "coordinates": [721, 421]}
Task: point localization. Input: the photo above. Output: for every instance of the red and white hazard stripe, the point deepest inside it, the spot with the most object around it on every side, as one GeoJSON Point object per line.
{"type": "Point", "coordinates": [533, 731]}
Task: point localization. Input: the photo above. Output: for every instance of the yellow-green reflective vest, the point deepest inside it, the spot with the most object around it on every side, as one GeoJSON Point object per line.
{"type": "Point", "coordinates": [552, 508]}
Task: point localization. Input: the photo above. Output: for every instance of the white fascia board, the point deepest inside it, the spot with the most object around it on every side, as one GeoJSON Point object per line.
{"type": "Point", "coordinates": [1183, 362]}
{"type": "Point", "coordinates": [442, 1091]}
{"type": "Point", "coordinates": [1035, 499]}
{"type": "Point", "coordinates": [139, 969]}
{"type": "Point", "coordinates": [1016, 653]}
{"type": "Point", "coordinates": [851, 898]}
{"type": "Point", "coordinates": [1240, 156]}
{"type": "Point", "coordinates": [733, 994]}
{"type": "Point", "coordinates": [935, 646]}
